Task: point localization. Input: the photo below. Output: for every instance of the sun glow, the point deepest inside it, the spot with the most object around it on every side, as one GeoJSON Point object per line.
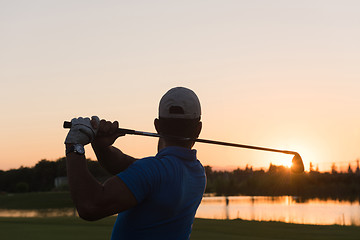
{"type": "Point", "coordinates": [306, 154]}
{"type": "Point", "coordinates": [285, 161]}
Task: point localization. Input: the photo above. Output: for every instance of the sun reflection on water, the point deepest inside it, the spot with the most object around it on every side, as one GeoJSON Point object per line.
{"type": "Point", "coordinates": [284, 209]}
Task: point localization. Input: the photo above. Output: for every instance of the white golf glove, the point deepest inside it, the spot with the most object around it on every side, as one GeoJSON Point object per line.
{"type": "Point", "coordinates": [81, 131]}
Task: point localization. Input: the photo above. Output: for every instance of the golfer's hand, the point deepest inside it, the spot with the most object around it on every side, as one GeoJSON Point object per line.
{"type": "Point", "coordinates": [107, 133]}
{"type": "Point", "coordinates": [81, 131]}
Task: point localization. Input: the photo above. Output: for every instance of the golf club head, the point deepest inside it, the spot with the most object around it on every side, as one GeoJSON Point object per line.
{"type": "Point", "coordinates": [297, 165]}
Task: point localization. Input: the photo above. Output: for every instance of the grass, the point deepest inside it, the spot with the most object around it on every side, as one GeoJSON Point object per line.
{"type": "Point", "coordinates": [72, 228]}
{"type": "Point", "coordinates": [252, 230]}
{"type": "Point", "coordinates": [36, 200]}
{"type": "Point", "coordinates": [57, 228]}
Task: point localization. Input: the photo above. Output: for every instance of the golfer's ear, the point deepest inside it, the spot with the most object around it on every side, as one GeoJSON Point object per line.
{"type": "Point", "coordinates": [157, 125]}
{"type": "Point", "coordinates": [198, 130]}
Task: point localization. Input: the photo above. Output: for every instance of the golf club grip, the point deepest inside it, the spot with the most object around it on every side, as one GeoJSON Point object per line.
{"type": "Point", "coordinates": [67, 124]}
{"type": "Point", "coordinates": [124, 131]}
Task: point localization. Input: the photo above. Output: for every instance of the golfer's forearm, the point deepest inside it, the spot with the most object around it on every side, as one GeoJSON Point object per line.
{"type": "Point", "coordinates": [112, 159]}
{"type": "Point", "coordinates": [84, 188]}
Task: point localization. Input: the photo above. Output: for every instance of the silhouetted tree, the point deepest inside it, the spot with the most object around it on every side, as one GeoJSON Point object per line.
{"type": "Point", "coordinates": [333, 169]}
{"type": "Point", "coordinates": [311, 167]}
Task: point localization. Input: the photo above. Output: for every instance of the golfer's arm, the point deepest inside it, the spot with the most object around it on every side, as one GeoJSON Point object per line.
{"type": "Point", "coordinates": [92, 199]}
{"type": "Point", "coordinates": [112, 159]}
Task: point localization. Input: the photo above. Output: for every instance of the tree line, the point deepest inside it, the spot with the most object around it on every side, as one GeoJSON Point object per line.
{"type": "Point", "coordinates": [275, 181]}
{"type": "Point", "coordinates": [279, 180]}
{"type": "Point", "coordinates": [42, 176]}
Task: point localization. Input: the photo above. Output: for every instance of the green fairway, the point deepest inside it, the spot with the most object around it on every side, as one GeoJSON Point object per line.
{"type": "Point", "coordinates": [252, 230]}
{"type": "Point", "coordinates": [58, 228]}
{"type": "Point", "coordinates": [36, 200]}
{"type": "Point", "coordinates": [74, 228]}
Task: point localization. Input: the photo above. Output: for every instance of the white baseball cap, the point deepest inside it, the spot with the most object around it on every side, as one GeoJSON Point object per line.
{"type": "Point", "coordinates": [180, 102]}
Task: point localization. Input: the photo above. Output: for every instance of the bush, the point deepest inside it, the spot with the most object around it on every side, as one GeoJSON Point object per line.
{"type": "Point", "coordinates": [22, 187]}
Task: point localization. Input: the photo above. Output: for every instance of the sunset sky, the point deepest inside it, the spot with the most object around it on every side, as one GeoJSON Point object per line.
{"type": "Point", "coordinates": [280, 74]}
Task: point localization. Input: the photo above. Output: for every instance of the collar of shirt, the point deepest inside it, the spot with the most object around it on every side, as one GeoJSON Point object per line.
{"type": "Point", "coordinates": [180, 152]}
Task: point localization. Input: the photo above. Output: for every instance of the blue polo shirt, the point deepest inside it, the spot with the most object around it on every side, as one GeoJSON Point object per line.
{"type": "Point", "coordinates": [168, 188]}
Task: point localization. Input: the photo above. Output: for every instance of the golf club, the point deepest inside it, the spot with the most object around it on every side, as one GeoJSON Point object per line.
{"type": "Point", "coordinates": [297, 165]}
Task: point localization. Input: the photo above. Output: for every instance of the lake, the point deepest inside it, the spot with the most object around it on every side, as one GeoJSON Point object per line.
{"type": "Point", "coordinates": [283, 209]}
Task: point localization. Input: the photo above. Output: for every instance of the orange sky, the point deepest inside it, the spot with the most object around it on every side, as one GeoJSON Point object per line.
{"type": "Point", "coordinates": [277, 74]}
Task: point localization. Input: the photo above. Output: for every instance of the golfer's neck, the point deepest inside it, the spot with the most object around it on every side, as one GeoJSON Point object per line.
{"type": "Point", "coordinates": [163, 144]}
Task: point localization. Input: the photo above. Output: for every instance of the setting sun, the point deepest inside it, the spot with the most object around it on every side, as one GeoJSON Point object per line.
{"type": "Point", "coordinates": [287, 164]}
{"type": "Point", "coordinates": [282, 160]}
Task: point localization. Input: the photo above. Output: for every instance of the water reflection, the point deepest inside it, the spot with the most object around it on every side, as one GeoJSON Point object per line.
{"type": "Point", "coordinates": [64, 212]}
{"type": "Point", "coordinates": [284, 209]}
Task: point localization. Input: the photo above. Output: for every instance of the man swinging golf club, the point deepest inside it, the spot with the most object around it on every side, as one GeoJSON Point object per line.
{"type": "Point", "coordinates": [154, 197]}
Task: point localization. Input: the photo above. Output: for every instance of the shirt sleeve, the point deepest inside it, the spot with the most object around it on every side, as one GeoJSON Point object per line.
{"type": "Point", "coordinates": [141, 177]}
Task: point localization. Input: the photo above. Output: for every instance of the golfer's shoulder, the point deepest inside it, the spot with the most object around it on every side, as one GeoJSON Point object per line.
{"type": "Point", "coordinates": [158, 165]}
{"type": "Point", "coordinates": [147, 164]}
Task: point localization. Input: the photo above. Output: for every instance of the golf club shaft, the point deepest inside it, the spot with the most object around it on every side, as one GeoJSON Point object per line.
{"type": "Point", "coordinates": [140, 133]}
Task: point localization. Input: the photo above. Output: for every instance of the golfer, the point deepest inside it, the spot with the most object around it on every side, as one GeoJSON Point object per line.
{"type": "Point", "coordinates": [154, 197]}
